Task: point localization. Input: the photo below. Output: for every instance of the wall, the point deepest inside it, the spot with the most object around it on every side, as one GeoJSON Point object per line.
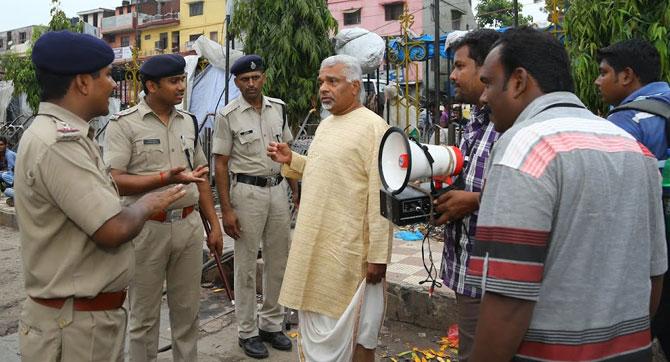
{"type": "Point", "coordinates": [373, 17]}
{"type": "Point", "coordinates": [211, 20]}
{"type": "Point", "coordinates": [28, 30]}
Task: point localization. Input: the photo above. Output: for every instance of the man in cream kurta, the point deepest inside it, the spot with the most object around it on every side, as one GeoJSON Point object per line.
{"type": "Point", "coordinates": [340, 236]}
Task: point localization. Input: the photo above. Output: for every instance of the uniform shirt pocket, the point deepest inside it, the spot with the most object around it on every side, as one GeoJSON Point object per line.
{"type": "Point", "coordinates": [149, 153]}
{"type": "Point", "coordinates": [250, 141]}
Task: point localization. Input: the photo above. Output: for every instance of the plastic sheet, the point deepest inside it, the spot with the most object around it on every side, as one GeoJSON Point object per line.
{"type": "Point", "coordinates": [6, 91]}
{"type": "Point", "coordinates": [215, 52]}
{"type": "Point", "coordinates": [363, 45]}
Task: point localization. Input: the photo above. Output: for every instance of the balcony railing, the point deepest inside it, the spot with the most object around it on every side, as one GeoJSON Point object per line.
{"type": "Point", "coordinates": [117, 23]}
{"type": "Point", "coordinates": [147, 21]}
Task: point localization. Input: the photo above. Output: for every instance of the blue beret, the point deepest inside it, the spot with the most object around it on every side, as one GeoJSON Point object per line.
{"type": "Point", "coordinates": [67, 53]}
{"type": "Point", "coordinates": [165, 65]}
{"type": "Point", "coordinates": [247, 63]}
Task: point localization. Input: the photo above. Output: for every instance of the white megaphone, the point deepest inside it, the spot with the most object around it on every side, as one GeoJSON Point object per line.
{"type": "Point", "coordinates": [402, 160]}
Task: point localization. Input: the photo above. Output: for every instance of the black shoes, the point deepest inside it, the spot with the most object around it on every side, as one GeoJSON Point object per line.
{"type": "Point", "coordinates": [276, 339]}
{"type": "Point", "coordinates": [254, 347]}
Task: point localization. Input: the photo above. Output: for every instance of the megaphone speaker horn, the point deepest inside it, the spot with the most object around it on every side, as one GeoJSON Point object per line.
{"type": "Point", "coordinates": [395, 160]}
{"type": "Point", "coordinates": [402, 161]}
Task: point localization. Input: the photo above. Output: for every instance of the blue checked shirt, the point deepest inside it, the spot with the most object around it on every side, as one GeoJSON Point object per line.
{"type": "Point", "coordinates": [478, 138]}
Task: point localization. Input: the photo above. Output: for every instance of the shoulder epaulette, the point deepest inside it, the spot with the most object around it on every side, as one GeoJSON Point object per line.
{"type": "Point", "coordinates": [185, 112]}
{"type": "Point", "coordinates": [275, 100]}
{"type": "Point", "coordinates": [64, 132]}
{"type": "Point", "coordinates": [120, 114]}
{"type": "Point", "coordinates": [229, 108]}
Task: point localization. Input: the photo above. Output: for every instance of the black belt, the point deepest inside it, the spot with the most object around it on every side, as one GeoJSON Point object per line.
{"type": "Point", "coordinates": [262, 181]}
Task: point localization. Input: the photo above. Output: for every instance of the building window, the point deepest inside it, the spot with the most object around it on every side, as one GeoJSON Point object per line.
{"type": "Point", "coordinates": [22, 37]}
{"type": "Point", "coordinates": [95, 20]}
{"type": "Point", "coordinates": [175, 41]}
{"type": "Point", "coordinates": [162, 42]}
{"type": "Point", "coordinates": [456, 17]}
{"type": "Point", "coordinates": [86, 18]}
{"type": "Point", "coordinates": [125, 40]}
{"type": "Point", "coordinates": [2, 43]}
{"type": "Point", "coordinates": [147, 37]}
{"type": "Point", "coordinates": [393, 11]}
{"type": "Point", "coordinates": [195, 9]}
{"type": "Point", "coordinates": [9, 36]}
{"type": "Point", "coordinates": [214, 35]}
{"type": "Point", "coordinates": [352, 17]}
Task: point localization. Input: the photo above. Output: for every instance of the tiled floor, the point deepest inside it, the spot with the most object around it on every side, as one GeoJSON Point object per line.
{"type": "Point", "coordinates": [407, 265]}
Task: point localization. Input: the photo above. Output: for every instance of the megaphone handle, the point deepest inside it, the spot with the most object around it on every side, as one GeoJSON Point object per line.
{"type": "Point", "coordinates": [430, 163]}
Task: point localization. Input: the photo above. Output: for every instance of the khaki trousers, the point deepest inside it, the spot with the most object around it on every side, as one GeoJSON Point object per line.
{"type": "Point", "coordinates": [264, 218]}
{"type": "Point", "coordinates": [170, 252]}
{"type": "Point", "coordinates": [468, 314]}
{"type": "Point", "coordinates": [48, 334]}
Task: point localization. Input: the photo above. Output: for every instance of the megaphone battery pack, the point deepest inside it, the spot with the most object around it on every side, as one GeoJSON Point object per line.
{"type": "Point", "coordinates": [407, 207]}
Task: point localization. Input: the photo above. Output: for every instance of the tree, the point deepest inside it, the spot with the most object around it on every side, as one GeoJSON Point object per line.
{"type": "Point", "coordinates": [19, 67]}
{"type": "Point", "coordinates": [293, 37]}
{"type": "Point", "coordinates": [593, 24]}
{"type": "Point", "coordinates": [499, 13]}
{"type": "Point", "coordinates": [558, 6]}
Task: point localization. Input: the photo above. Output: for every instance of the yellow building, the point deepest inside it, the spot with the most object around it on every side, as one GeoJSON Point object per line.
{"type": "Point", "coordinates": [175, 32]}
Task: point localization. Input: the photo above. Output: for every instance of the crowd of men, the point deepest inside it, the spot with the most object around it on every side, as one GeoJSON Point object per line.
{"type": "Point", "coordinates": [555, 245]}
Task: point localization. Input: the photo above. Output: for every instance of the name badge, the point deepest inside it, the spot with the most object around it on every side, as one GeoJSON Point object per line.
{"type": "Point", "coordinates": [246, 132]}
{"type": "Point", "coordinates": [152, 141]}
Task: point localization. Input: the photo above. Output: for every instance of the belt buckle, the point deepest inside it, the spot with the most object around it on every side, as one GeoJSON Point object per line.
{"type": "Point", "coordinates": [173, 215]}
{"type": "Point", "coordinates": [269, 181]}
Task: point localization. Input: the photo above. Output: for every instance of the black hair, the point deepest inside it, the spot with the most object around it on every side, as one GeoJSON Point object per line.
{"type": "Point", "coordinates": [636, 54]}
{"type": "Point", "coordinates": [479, 43]}
{"type": "Point", "coordinates": [54, 86]}
{"type": "Point", "coordinates": [145, 78]}
{"type": "Point", "coordinates": [4, 140]}
{"type": "Point", "coordinates": [540, 54]}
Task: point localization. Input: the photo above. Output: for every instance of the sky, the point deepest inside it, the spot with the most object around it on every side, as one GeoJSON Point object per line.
{"type": "Point", "coordinates": [35, 12]}
{"type": "Point", "coordinates": [529, 8]}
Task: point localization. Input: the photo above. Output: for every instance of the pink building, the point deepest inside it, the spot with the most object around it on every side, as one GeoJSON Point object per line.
{"type": "Point", "coordinates": [382, 17]}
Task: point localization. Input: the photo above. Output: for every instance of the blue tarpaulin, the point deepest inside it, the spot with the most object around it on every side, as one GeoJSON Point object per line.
{"type": "Point", "coordinates": [425, 48]}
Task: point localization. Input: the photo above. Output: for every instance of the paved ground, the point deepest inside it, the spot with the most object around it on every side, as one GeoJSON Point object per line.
{"type": "Point", "coordinates": [218, 331]}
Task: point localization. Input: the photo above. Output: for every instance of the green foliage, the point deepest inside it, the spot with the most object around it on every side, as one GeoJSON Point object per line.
{"type": "Point", "coordinates": [593, 24]}
{"type": "Point", "coordinates": [293, 37]}
{"type": "Point", "coordinates": [562, 6]}
{"type": "Point", "coordinates": [20, 69]}
{"type": "Point", "coordinates": [499, 13]}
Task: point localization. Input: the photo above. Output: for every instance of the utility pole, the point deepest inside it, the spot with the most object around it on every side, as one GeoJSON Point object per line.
{"type": "Point", "coordinates": [227, 55]}
{"type": "Point", "coordinates": [516, 13]}
{"type": "Point", "coordinates": [436, 64]}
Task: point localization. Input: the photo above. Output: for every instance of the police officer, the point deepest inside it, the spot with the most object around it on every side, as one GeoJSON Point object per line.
{"type": "Point", "coordinates": [149, 147]}
{"type": "Point", "coordinates": [73, 228]}
{"type": "Point", "coordinates": [255, 208]}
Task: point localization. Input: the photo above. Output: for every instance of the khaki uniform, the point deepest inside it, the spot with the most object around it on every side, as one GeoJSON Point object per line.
{"type": "Point", "coordinates": [263, 212]}
{"type": "Point", "coordinates": [138, 143]}
{"type": "Point", "coordinates": [58, 167]}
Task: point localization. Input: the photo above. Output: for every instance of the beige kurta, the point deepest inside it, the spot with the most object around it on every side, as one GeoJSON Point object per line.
{"type": "Point", "coordinates": [339, 226]}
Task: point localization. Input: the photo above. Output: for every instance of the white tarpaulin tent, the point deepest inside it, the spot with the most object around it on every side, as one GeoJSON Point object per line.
{"type": "Point", "coordinates": [207, 93]}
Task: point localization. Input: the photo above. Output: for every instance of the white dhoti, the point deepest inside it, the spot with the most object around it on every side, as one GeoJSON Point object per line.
{"type": "Point", "coordinates": [324, 339]}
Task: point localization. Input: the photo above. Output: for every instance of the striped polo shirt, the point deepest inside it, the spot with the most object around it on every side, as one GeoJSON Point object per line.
{"type": "Point", "coordinates": [571, 219]}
